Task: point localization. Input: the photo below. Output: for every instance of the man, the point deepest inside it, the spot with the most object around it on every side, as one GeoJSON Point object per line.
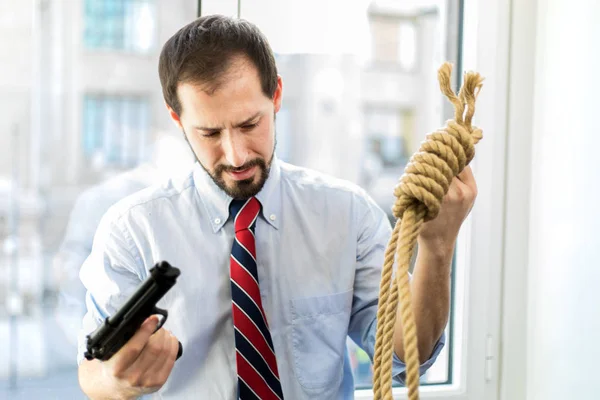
{"type": "Point", "coordinates": [279, 264]}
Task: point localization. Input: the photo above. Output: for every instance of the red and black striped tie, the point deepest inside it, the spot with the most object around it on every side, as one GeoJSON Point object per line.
{"type": "Point", "coordinates": [258, 377]}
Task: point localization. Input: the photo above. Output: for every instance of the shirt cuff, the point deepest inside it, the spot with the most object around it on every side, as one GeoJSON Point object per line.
{"type": "Point", "coordinates": [399, 368]}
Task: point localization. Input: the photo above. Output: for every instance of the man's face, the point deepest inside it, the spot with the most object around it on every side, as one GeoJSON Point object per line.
{"type": "Point", "coordinates": [232, 130]}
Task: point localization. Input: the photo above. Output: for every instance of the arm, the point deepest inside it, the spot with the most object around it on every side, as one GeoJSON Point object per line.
{"type": "Point", "coordinates": [111, 274]}
{"type": "Point", "coordinates": [373, 235]}
{"type": "Point", "coordinates": [430, 284]}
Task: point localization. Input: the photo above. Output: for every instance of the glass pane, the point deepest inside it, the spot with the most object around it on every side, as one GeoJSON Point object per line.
{"type": "Point", "coordinates": [365, 78]}
{"type": "Point", "coordinates": [128, 25]}
{"type": "Point", "coordinates": [84, 125]}
{"type": "Point", "coordinates": [114, 127]}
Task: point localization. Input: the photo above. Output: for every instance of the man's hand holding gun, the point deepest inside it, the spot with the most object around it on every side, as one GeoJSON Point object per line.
{"type": "Point", "coordinates": [145, 362]}
{"type": "Point", "coordinates": [130, 354]}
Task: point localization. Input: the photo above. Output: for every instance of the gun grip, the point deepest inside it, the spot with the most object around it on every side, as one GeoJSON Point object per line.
{"type": "Point", "coordinates": [180, 352]}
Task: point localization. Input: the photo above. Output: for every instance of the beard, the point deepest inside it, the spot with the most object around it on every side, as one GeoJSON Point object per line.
{"type": "Point", "coordinates": [242, 189]}
{"type": "Point", "coordinates": [245, 188]}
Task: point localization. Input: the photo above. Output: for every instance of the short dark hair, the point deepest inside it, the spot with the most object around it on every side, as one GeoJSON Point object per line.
{"type": "Point", "coordinates": [202, 51]}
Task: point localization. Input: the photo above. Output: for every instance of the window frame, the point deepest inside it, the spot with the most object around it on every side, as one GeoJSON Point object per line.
{"type": "Point", "coordinates": [479, 254]}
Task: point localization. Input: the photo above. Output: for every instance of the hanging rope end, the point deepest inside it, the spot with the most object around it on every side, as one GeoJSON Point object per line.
{"type": "Point", "coordinates": [472, 83]}
{"type": "Point", "coordinates": [445, 80]}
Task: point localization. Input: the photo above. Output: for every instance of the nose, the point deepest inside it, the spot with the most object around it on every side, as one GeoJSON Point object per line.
{"type": "Point", "coordinates": [235, 149]}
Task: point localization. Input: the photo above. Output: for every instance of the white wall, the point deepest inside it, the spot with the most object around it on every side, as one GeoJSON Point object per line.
{"type": "Point", "coordinates": [550, 309]}
{"type": "Point", "coordinates": [521, 72]}
{"type": "Point", "coordinates": [564, 272]}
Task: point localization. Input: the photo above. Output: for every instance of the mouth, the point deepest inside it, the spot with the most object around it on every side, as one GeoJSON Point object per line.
{"type": "Point", "coordinates": [243, 174]}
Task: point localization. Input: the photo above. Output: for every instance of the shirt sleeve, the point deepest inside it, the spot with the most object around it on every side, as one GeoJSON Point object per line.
{"type": "Point", "coordinates": [373, 236]}
{"type": "Point", "coordinates": [111, 273]}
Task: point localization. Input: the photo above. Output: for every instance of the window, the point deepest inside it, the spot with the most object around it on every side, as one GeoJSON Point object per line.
{"type": "Point", "coordinates": [390, 135]}
{"type": "Point", "coordinates": [394, 41]}
{"type": "Point", "coordinates": [381, 115]}
{"type": "Point", "coordinates": [362, 368]}
{"type": "Point", "coordinates": [386, 109]}
{"type": "Point", "coordinates": [115, 128]}
{"type": "Point", "coordinates": [284, 133]}
{"type": "Point", "coordinates": [127, 25]}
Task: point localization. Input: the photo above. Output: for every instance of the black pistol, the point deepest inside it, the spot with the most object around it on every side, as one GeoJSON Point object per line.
{"type": "Point", "coordinates": [117, 329]}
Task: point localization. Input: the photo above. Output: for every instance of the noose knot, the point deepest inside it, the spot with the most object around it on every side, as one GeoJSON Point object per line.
{"type": "Point", "coordinates": [444, 153]}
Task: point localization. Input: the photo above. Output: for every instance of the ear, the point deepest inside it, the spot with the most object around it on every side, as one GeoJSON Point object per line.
{"type": "Point", "coordinates": [174, 116]}
{"type": "Point", "coordinates": [277, 97]}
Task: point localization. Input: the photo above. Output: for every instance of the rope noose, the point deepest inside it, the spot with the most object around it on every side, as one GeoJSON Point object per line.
{"type": "Point", "coordinates": [419, 194]}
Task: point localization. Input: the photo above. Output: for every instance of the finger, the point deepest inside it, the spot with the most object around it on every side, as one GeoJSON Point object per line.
{"type": "Point", "coordinates": [154, 375]}
{"type": "Point", "coordinates": [464, 184]}
{"type": "Point", "coordinates": [466, 176]}
{"type": "Point", "coordinates": [130, 352]}
{"type": "Point", "coordinates": [151, 356]}
{"type": "Point", "coordinates": [155, 367]}
{"type": "Point", "coordinates": [169, 362]}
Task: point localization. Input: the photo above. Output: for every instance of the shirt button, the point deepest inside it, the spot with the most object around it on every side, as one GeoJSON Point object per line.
{"type": "Point", "coordinates": [217, 221]}
{"type": "Point", "coordinates": [272, 217]}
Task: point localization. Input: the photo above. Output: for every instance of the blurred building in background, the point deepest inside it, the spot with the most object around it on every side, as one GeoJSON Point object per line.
{"type": "Point", "coordinates": [83, 106]}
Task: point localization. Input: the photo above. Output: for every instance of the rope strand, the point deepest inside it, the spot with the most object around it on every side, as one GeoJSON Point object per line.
{"type": "Point", "coordinates": [419, 194]}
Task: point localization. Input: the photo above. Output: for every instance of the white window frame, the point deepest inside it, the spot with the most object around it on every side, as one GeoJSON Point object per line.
{"type": "Point", "coordinates": [224, 7]}
{"type": "Point", "coordinates": [479, 259]}
{"type": "Point", "coordinates": [481, 244]}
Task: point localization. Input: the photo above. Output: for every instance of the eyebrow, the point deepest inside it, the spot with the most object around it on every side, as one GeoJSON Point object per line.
{"type": "Point", "coordinates": [245, 122]}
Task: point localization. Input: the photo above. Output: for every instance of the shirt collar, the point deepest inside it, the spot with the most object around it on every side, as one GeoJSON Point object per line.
{"type": "Point", "coordinates": [216, 201]}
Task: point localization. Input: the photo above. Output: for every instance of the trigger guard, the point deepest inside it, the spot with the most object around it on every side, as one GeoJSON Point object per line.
{"type": "Point", "coordinates": [161, 321]}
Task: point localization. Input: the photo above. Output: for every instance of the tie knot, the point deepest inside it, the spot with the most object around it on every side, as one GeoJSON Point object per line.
{"type": "Point", "coordinates": [244, 213]}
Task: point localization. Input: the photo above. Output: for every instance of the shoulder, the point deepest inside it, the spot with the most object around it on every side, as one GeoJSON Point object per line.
{"type": "Point", "coordinates": [145, 199]}
{"type": "Point", "coordinates": [315, 185]}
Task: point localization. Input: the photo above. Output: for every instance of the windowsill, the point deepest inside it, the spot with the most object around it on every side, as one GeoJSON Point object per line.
{"type": "Point", "coordinates": [443, 391]}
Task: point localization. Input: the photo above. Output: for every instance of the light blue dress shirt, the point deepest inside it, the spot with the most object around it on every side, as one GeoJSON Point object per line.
{"type": "Point", "coordinates": [320, 246]}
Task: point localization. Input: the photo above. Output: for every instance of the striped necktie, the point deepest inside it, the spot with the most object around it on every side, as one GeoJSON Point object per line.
{"type": "Point", "coordinates": [257, 373]}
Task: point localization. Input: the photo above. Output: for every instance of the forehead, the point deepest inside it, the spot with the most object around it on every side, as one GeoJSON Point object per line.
{"type": "Point", "coordinates": [238, 92]}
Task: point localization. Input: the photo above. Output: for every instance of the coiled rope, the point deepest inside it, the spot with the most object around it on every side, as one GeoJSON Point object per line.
{"type": "Point", "coordinates": [419, 194]}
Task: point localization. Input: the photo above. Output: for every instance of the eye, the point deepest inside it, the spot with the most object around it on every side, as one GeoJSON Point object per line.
{"type": "Point", "coordinates": [249, 126]}
{"type": "Point", "coordinates": [211, 134]}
